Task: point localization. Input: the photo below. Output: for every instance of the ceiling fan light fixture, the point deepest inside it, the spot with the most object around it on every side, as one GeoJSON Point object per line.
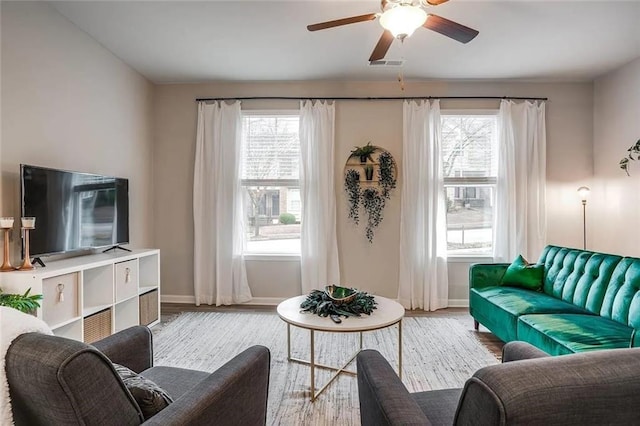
{"type": "Point", "coordinates": [403, 20]}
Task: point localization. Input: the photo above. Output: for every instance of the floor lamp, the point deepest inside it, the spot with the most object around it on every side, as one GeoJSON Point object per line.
{"type": "Point", "coordinates": [583, 192]}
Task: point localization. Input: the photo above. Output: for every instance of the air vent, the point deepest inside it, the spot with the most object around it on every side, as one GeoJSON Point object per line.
{"type": "Point", "coordinates": [387, 63]}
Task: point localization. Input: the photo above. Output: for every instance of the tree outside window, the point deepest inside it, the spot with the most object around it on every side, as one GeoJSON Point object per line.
{"type": "Point", "coordinates": [469, 157]}
{"type": "Point", "coordinates": [271, 180]}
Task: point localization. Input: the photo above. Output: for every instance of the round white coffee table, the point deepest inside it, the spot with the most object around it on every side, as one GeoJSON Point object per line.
{"type": "Point", "coordinates": [386, 314]}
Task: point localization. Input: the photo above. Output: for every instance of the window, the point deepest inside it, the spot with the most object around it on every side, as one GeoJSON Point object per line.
{"type": "Point", "coordinates": [469, 159]}
{"type": "Point", "coordinates": [271, 181]}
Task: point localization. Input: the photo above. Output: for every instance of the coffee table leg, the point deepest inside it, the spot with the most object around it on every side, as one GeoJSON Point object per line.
{"type": "Point", "coordinates": [313, 368]}
{"type": "Point", "coordinates": [361, 340]}
{"type": "Point", "coordinates": [288, 342]}
{"type": "Point", "coordinates": [400, 349]}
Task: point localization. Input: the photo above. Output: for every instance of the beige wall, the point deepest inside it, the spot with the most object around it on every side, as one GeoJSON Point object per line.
{"type": "Point", "coordinates": [614, 205]}
{"type": "Point", "coordinates": [69, 103]}
{"type": "Point", "coordinates": [372, 267]}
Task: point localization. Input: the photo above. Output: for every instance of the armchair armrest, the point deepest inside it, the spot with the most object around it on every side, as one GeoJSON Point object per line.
{"type": "Point", "coordinates": [486, 274]}
{"type": "Point", "coordinates": [516, 351]}
{"type": "Point", "coordinates": [384, 400]}
{"type": "Point", "coordinates": [132, 348]}
{"type": "Point", "coordinates": [592, 387]}
{"type": "Point", "coordinates": [235, 394]}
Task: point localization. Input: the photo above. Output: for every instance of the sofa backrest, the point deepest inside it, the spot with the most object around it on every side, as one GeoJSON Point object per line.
{"type": "Point", "coordinates": [590, 388]}
{"type": "Point", "coordinates": [622, 299]}
{"type": "Point", "coordinates": [58, 381]}
{"type": "Point", "coordinates": [577, 276]}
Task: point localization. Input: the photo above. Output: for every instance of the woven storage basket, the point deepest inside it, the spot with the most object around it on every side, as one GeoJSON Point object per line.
{"type": "Point", "coordinates": [149, 307]}
{"type": "Point", "coordinates": [97, 326]}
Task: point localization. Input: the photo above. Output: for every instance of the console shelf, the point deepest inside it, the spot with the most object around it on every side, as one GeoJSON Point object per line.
{"type": "Point", "coordinates": [117, 286]}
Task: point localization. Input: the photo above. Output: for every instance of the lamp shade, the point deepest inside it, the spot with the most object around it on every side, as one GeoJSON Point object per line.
{"type": "Point", "coordinates": [403, 20]}
{"type": "Point", "coordinates": [583, 192]}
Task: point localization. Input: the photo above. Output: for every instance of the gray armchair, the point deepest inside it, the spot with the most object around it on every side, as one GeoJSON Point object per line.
{"type": "Point", "coordinates": [57, 381]}
{"type": "Point", "coordinates": [599, 387]}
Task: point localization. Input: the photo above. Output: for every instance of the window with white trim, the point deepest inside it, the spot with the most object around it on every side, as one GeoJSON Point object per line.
{"type": "Point", "coordinates": [270, 173]}
{"type": "Point", "coordinates": [469, 159]}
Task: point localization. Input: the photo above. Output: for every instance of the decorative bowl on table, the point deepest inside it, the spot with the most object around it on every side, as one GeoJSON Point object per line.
{"type": "Point", "coordinates": [340, 295]}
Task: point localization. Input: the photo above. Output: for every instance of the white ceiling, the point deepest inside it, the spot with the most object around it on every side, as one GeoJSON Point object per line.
{"type": "Point", "coordinates": [189, 41]}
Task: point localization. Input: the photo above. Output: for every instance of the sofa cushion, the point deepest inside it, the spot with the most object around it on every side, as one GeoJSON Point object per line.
{"type": "Point", "coordinates": [176, 381]}
{"type": "Point", "coordinates": [499, 308]}
{"type": "Point", "coordinates": [439, 405]}
{"type": "Point", "coordinates": [577, 276]}
{"type": "Point", "coordinates": [622, 298]}
{"type": "Point", "coordinates": [523, 274]}
{"type": "Point", "coordinates": [559, 334]}
{"type": "Point", "coordinates": [519, 301]}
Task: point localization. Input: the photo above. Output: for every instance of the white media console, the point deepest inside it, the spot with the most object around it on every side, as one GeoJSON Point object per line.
{"type": "Point", "coordinates": [92, 296]}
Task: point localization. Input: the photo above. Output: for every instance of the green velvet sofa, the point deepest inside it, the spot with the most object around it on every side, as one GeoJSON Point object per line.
{"type": "Point", "coordinates": [588, 301]}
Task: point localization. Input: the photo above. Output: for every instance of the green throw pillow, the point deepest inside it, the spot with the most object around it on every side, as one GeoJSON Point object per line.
{"type": "Point", "coordinates": [524, 274]}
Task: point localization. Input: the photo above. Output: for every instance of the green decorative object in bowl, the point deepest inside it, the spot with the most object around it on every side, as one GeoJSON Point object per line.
{"type": "Point", "coordinates": [340, 295]}
{"type": "Point", "coordinates": [336, 301]}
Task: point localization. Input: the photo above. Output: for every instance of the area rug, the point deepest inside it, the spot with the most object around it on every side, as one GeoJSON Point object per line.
{"type": "Point", "coordinates": [438, 353]}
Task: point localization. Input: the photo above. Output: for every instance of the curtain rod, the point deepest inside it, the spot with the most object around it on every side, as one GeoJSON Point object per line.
{"type": "Point", "coordinates": [368, 98]}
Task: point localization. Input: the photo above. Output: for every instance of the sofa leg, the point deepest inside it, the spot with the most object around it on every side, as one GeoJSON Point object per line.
{"type": "Point", "coordinates": [476, 324]}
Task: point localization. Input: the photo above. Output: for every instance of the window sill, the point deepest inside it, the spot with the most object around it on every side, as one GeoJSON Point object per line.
{"type": "Point", "coordinates": [470, 259]}
{"type": "Point", "coordinates": [272, 257]}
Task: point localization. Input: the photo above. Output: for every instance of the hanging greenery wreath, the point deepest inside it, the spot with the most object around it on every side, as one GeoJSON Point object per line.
{"type": "Point", "coordinates": [369, 194]}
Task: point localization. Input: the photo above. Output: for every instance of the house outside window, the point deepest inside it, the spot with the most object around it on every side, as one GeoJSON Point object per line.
{"type": "Point", "coordinates": [469, 157]}
{"type": "Point", "coordinates": [270, 173]}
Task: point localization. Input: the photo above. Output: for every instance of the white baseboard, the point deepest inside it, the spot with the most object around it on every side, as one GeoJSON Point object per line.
{"type": "Point", "coordinates": [191, 300]}
{"type": "Point", "coordinates": [458, 303]}
{"type": "Point", "coordinates": [174, 298]}
{"type": "Point", "coordinates": [274, 301]}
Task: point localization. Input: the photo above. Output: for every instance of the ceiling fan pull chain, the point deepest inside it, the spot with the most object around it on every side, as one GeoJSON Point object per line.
{"type": "Point", "coordinates": [400, 73]}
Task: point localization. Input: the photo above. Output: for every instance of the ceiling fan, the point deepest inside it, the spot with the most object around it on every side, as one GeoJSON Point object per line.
{"type": "Point", "coordinates": [400, 18]}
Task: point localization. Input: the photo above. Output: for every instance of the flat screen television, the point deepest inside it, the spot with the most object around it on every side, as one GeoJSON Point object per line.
{"type": "Point", "coordinates": [74, 211]}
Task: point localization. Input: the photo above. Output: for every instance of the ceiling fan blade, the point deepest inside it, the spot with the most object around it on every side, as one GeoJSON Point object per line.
{"type": "Point", "coordinates": [382, 47]}
{"type": "Point", "coordinates": [436, 2]}
{"type": "Point", "coordinates": [340, 22]}
{"type": "Point", "coordinates": [450, 29]}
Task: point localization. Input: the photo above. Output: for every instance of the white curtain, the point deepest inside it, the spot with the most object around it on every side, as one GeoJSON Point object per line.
{"type": "Point", "coordinates": [319, 243]}
{"type": "Point", "coordinates": [219, 269]}
{"type": "Point", "coordinates": [423, 227]}
{"type": "Point", "coordinates": [520, 218]}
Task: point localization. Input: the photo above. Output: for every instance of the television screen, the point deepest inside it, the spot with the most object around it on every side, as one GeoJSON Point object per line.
{"type": "Point", "coordinates": [74, 211]}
